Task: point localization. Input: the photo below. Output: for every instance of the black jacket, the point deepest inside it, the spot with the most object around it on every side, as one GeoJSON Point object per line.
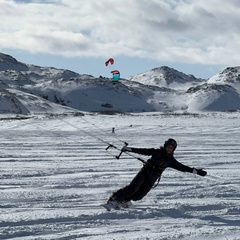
{"type": "Point", "coordinates": [160, 160]}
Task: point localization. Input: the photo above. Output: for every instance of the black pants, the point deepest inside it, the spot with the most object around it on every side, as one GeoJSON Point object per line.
{"type": "Point", "coordinates": [139, 186]}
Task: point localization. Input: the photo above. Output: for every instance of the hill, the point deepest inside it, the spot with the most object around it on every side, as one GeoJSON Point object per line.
{"type": "Point", "coordinates": [30, 89]}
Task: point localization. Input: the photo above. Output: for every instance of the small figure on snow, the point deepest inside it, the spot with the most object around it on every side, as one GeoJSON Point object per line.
{"type": "Point", "coordinates": [151, 171]}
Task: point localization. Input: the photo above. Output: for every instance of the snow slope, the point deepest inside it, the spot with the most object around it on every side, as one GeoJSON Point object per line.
{"type": "Point", "coordinates": [55, 170]}
{"type": "Point", "coordinates": [55, 173]}
{"type": "Point", "coordinates": [213, 97]}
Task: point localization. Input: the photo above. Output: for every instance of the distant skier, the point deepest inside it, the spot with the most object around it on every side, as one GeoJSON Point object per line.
{"type": "Point", "coordinates": [152, 170]}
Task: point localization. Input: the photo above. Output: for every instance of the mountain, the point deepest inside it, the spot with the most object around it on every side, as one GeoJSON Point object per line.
{"type": "Point", "coordinates": [229, 76]}
{"type": "Point", "coordinates": [8, 62]}
{"type": "Point", "coordinates": [29, 89]}
{"type": "Point", "coordinates": [15, 77]}
{"type": "Point", "coordinates": [166, 77]}
{"type": "Point", "coordinates": [92, 94]}
{"type": "Point", "coordinates": [213, 97]}
{"type": "Point", "coordinates": [219, 93]}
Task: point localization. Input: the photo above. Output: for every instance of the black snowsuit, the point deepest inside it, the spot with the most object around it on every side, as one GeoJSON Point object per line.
{"type": "Point", "coordinates": [149, 173]}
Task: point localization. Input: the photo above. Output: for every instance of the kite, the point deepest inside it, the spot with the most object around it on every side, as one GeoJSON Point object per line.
{"type": "Point", "coordinates": [116, 75]}
{"type": "Point", "coordinates": [110, 60]}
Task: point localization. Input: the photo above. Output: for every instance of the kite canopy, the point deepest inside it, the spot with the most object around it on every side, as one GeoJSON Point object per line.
{"type": "Point", "coordinates": [116, 75]}
{"type": "Point", "coordinates": [110, 60]}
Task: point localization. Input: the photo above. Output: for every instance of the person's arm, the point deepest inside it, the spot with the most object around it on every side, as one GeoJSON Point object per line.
{"type": "Point", "coordinates": [184, 168]}
{"type": "Point", "coordinates": [143, 151]}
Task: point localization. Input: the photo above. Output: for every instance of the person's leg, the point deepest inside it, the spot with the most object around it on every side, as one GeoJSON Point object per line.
{"type": "Point", "coordinates": [145, 187]}
{"type": "Point", "coordinates": [126, 192]}
{"type": "Point", "coordinates": [141, 192]}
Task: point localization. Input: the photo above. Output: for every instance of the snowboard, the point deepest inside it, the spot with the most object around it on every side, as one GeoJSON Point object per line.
{"type": "Point", "coordinates": [109, 207]}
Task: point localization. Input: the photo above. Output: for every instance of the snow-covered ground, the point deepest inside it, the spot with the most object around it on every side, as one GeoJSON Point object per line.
{"type": "Point", "coordinates": [55, 173]}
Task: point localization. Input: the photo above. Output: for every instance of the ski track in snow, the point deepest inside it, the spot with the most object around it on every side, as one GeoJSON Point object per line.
{"type": "Point", "coordinates": [54, 177]}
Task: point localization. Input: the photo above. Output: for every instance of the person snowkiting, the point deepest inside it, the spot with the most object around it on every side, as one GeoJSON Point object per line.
{"type": "Point", "coordinates": [151, 171]}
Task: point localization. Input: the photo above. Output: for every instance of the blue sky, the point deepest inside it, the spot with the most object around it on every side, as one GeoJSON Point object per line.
{"type": "Point", "coordinates": [195, 37]}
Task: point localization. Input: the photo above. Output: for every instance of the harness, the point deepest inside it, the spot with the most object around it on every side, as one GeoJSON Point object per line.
{"type": "Point", "coordinates": [158, 170]}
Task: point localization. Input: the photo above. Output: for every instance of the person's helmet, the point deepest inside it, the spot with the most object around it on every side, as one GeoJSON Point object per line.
{"type": "Point", "coordinates": [172, 142]}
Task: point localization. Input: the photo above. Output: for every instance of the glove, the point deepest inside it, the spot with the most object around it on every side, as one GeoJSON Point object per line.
{"type": "Point", "coordinates": [126, 149]}
{"type": "Point", "coordinates": [199, 172]}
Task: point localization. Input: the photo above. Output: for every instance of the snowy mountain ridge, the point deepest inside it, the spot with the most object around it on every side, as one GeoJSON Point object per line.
{"type": "Point", "coordinates": [8, 62]}
{"type": "Point", "coordinates": [166, 77]}
{"type": "Point", "coordinates": [30, 89]}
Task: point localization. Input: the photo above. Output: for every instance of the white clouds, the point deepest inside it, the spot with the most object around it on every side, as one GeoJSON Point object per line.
{"type": "Point", "coordinates": [186, 31]}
